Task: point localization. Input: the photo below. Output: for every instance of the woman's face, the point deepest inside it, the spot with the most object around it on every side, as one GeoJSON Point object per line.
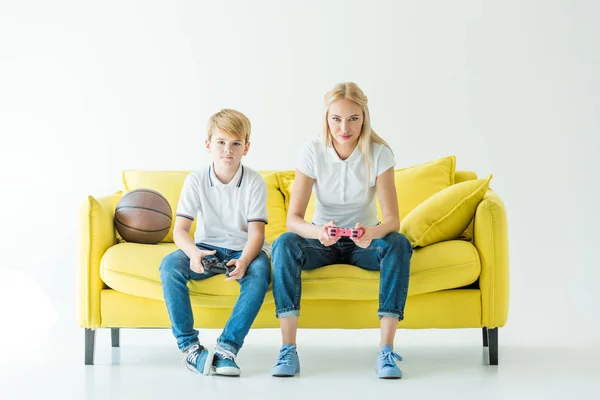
{"type": "Point", "coordinates": [345, 120]}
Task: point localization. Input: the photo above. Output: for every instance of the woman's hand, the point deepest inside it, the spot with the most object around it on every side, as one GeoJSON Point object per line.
{"type": "Point", "coordinates": [365, 240]}
{"type": "Point", "coordinates": [324, 236]}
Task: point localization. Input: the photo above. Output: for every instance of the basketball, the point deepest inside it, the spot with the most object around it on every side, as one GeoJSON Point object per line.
{"type": "Point", "coordinates": [143, 216]}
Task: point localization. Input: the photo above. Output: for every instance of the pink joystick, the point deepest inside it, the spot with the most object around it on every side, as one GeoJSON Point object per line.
{"type": "Point", "coordinates": [354, 233]}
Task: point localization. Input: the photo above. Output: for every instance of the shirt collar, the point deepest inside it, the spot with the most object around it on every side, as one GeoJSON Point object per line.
{"type": "Point", "coordinates": [335, 158]}
{"type": "Point", "coordinates": [214, 181]}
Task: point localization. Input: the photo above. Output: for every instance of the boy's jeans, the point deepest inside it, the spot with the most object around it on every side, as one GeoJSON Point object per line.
{"type": "Point", "coordinates": [292, 253]}
{"type": "Point", "coordinates": [175, 272]}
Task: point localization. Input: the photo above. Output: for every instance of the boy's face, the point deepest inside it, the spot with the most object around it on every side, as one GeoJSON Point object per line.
{"type": "Point", "coordinates": [226, 151]}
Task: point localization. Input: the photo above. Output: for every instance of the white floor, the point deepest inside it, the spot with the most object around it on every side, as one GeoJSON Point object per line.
{"type": "Point", "coordinates": [336, 364]}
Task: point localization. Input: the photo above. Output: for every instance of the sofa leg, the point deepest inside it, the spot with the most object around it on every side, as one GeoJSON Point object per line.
{"type": "Point", "coordinates": [114, 337]}
{"type": "Point", "coordinates": [493, 345]}
{"type": "Point", "coordinates": [485, 336]}
{"type": "Point", "coordinates": [90, 336]}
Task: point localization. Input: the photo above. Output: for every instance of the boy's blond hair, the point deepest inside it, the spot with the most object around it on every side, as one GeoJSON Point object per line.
{"type": "Point", "coordinates": [230, 122]}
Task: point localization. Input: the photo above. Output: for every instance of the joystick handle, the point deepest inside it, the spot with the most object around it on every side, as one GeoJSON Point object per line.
{"type": "Point", "coordinates": [354, 233]}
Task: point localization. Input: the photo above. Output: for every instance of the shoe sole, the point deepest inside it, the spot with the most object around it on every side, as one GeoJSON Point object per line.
{"type": "Point", "coordinates": [281, 375]}
{"type": "Point", "coordinates": [207, 364]}
{"type": "Point", "coordinates": [388, 377]}
{"type": "Point", "coordinates": [227, 371]}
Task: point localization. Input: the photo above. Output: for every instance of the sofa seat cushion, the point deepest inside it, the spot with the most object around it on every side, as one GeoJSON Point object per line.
{"type": "Point", "coordinates": [132, 268]}
{"type": "Point", "coordinates": [446, 265]}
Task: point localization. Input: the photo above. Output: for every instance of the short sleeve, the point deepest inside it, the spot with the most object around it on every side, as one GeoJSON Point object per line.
{"type": "Point", "coordinates": [385, 160]}
{"type": "Point", "coordinates": [189, 199]}
{"type": "Point", "coordinates": [257, 211]}
{"type": "Point", "coordinates": [306, 160]}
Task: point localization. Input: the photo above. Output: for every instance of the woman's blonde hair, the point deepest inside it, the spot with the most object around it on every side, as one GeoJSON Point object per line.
{"type": "Point", "coordinates": [351, 91]}
{"type": "Point", "coordinates": [230, 122]}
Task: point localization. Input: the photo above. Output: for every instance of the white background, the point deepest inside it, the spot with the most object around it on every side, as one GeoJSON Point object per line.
{"type": "Point", "coordinates": [88, 89]}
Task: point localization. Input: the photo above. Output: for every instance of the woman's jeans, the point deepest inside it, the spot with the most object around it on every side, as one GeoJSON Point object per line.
{"type": "Point", "coordinates": [175, 272]}
{"type": "Point", "coordinates": [292, 253]}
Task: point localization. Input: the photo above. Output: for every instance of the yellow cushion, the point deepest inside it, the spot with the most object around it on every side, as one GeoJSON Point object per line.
{"type": "Point", "coordinates": [170, 183]}
{"type": "Point", "coordinates": [446, 214]}
{"type": "Point", "coordinates": [132, 268]}
{"type": "Point", "coordinates": [416, 184]}
{"type": "Point", "coordinates": [463, 176]}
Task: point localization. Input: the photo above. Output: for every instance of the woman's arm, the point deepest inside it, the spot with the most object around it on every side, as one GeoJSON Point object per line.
{"type": "Point", "coordinates": [388, 200]}
{"type": "Point", "coordinates": [297, 209]}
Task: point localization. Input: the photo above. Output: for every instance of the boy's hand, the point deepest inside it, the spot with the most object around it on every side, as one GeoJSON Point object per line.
{"type": "Point", "coordinates": [196, 260]}
{"type": "Point", "coordinates": [324, 237]}
{"type": "Point", "coordinates": [365, 240]}
{"type": "Point", "coordinates": [240, 269]}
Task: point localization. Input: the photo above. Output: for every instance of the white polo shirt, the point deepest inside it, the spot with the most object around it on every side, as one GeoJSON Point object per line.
{"type": "Point", "coordinates": [224, 210]}
{"type": "Point", "coordinates": [340, 186]}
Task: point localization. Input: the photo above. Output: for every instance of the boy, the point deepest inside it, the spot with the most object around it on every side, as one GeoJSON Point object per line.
{"type": "Point", "coordinates": [229, 200]}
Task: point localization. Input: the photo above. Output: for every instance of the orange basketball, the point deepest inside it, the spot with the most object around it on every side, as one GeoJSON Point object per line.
{"type": "Point", "coordinates": [143, 216]}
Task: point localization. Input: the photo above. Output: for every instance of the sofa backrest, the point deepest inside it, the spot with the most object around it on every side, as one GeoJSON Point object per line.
{"type": "Point", "coordinates": [279, 186]}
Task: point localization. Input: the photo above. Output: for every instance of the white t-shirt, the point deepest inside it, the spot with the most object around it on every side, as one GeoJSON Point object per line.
{"type": "Point", "coordinates": [341, 185]}
{"type": "Point", "coordinates": [224, 210]}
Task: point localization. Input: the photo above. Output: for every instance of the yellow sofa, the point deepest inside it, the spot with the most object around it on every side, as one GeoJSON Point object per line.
{"type": "Point", "coordinates": [461, 283]}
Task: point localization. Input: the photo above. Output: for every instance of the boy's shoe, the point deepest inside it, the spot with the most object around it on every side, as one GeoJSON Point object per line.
{"type": "Point", "coordinates": [288, 363]}
{"type": "Point", "coordinates": [224, 363]}
{"type": "Point", "coordinates": [198, 359]}
{"type": "Point", "coordinates": [386, 367]}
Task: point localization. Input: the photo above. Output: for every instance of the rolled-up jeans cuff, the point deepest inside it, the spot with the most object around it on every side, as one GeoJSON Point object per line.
{"type": "Point", "coordinates": [228, 346]}
{"type": "Point", "coordinates": [390, 313]}
{"type": "Point", "coordinates": [188, 345]}
{"type": "Point", "coordinates": [288, 312]}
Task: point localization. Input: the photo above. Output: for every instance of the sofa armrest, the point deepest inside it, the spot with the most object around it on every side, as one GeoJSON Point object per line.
{"type": "Point", "coordinates": [491, 240]}
{"type": "Point", "coordinates": [96, 235]}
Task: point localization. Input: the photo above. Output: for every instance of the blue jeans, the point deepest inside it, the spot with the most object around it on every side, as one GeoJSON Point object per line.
{"type": "Point", "coordinates": [175, 272]}
{"type": "Point", "coordinates": [292, 253]}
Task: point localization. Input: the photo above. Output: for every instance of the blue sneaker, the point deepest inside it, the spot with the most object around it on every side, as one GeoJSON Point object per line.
{"type": "Point", "coordinates": [198, 359]}
{"type": "Point", "coordinates": [386, 367]}
{"type": "Point", "coordinates": [224, 363]}
{"type": "Point", "coordinates": [288, 363]}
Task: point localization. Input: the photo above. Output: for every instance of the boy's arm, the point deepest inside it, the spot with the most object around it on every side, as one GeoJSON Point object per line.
{"type": "Point", "coordinates": [187, 209]}
{"type": "Point", "coordinates": [182, 237]}
{"type": "Point", "coordinates": [256, 240]}
{"type": "Point", "coordinates": [185, 242]}
{"type": "Point", "coordinates": [257, 219]}
{"type": "Point", "coordinates": [253, 247]}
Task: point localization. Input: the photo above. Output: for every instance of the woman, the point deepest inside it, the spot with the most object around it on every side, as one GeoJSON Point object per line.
{"type": "Point", "coordinates": [346, 167]}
